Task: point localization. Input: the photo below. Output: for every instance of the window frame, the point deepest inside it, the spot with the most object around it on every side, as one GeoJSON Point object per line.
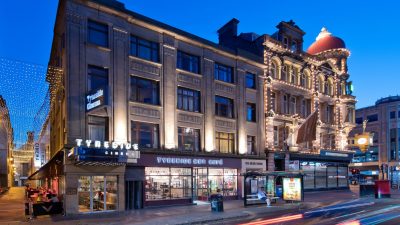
{"type": "Point", "coordinates": [229, 107]}
{"type": "Point", "coordinates": [91, 27]}
{"type": "Point", "coordinates": [180, 59]}
{"type": "Point", "coordinates": [229, 73]}
{"type": "Point", "coordinates": [181, 97]}
{"type": "Point", "coordinates": [230, 139]}
{"type": "Point", "coordinates": [155, 85]}
{"type": "Point", "coordinates": [183, 135]}
{"type": "Point", "coordinates": [253, 109]}
{"type": "Point", "coordinates": [136, 43]}
{"type": "Point", "coordinates": [92, 74]}
{"type": "Point", "coordinates": [155, 134]}
{"type": "Point", "coordinates": [94, 121]}
{"type": "Point", "coordinates": [252, 77]}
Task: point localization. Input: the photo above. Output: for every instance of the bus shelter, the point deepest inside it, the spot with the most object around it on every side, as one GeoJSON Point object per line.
{"type": "Point", "coordinates": [290, 190]}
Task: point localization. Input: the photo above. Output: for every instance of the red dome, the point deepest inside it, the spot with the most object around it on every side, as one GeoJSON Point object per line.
{"type": "Point", "coordinates": [325, 41]}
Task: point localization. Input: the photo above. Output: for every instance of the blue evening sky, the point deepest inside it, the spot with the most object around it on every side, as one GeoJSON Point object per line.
{"type": "Point", "coordinates": [369, 28]}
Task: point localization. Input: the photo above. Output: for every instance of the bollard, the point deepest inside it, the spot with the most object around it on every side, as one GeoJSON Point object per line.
{"type": "Point", "coordinates": [268, 200]}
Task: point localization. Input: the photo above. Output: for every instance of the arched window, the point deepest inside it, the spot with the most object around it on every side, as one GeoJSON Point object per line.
{"type": "Point", "coordinates": [307, 80]}
{"type": "Point", "coordinates": [321, 84]}
{"type": "Point", "coordinates": [273, 70]}
{"type": "Point", "coordinates": [329, 87]}
{"type": "Point", "coordinates": [284, 72]}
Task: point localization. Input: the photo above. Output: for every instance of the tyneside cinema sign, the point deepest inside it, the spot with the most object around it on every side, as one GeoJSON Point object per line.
{"type": "Point", "coordinates": [105, 151]}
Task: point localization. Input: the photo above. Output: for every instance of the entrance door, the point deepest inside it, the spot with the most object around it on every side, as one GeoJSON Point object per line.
{"type": "Point", "coordinates": [200, 184]}
{"type": "Point", "coordinates": [133, 195]}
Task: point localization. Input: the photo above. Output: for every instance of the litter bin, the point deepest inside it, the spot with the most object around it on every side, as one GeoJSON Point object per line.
{"type": "Point", "coordinates": [279, 191]}
{"type": "Point", "coordinates": [217, 203]}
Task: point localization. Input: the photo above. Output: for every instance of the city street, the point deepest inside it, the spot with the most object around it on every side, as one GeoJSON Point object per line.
{"type": "Point", "coordinates": [12, 206]}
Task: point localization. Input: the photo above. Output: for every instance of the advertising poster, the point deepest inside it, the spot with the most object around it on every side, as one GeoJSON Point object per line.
{"type": "Point", "coordinates": [292, 189]}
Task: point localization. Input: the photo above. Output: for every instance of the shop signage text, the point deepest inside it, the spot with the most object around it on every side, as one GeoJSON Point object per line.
{"type": "Point", "coordinates": [95, 99]}
{"type": "Point", "coordinates": [189, 161]}
{"type": "Point", "coordinates": [106, 144]}
{"type": "Point", "coordinates": [37, 155]}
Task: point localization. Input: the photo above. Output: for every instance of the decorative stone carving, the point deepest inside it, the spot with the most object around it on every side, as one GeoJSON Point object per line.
{"type": "Point", "coordinates": [225, 124]}
{"type": "Point", "coordinates": [224, 88]}
{"type": "Point", "coordinates": [189, 118]}
{"type": "Point", "coordinates": [141, 111]}
{"type": "Point", "coordinates": [189, 79]}
{"type": "Point", "coordinates": [144, 68]}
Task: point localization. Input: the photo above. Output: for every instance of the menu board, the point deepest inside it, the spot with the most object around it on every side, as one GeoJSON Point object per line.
{"type": "Point", "coordinates": [292, 189]}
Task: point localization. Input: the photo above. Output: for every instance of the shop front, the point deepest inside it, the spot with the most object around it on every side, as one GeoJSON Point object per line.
{"type": "Point", "coordinates": [171, 179]}
{"type": "Point", "coordinates": [328, 170]}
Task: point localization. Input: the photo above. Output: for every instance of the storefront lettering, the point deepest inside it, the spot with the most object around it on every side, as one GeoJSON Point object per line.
{"type": "Point", "coordinates": [189, 161]}
{"type": "Point", "coordinates": [106, 144]}
{"type": "Point", "coordinates": [94, 100]}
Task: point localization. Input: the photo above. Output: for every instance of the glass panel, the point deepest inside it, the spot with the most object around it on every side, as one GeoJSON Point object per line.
{"type": "Point", "coordinates": [181, 183]}
{"type": "Point", "coordinates": [98, 193]}
{"type": "Point", "coordinates": [157, 184]}
{"type": "Point", "coordinates": [309, 176]}
{"type": "Point", "coordinates": [111, 192]}
{"type": "Point", "coordinates": [200, 183]}
{"type": "Point", "coordinates": [84, 194]}
{"type": "Point", "coordinates": [342, 176]}
{"type": "Point", "coordinates": [320, 175]}
{"type": "Point", "coordinates": [332, 176]}
{"type": "Point", "coordinates": [230, 182]}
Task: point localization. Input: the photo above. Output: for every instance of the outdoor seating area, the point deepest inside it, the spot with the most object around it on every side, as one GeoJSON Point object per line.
{"type": "Point", "coordinates": [42, 201]}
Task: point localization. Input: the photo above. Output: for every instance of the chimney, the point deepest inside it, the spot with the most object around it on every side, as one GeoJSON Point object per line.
{"type": "Point", "coordinates": [228, 31]}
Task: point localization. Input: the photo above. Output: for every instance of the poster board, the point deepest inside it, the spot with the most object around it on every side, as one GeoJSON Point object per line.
{"type": "Point", "coordinates": [292, 189]}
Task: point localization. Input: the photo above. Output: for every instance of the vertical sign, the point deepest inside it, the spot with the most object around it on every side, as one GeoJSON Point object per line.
{"type": "Point", "coordinates": [37, 155]}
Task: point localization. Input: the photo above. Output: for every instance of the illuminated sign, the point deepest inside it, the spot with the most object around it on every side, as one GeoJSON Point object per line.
{"type": "Point", "coordinates": [292, 189]}
{"type": "Point", "coordinates": [95, 99]}
{"type": "Point", "coordinates": [190, 161]}
{"type": "Point", "coordinates": [37, 155]}
{"type": "Point", "coordinates": [105, 151]}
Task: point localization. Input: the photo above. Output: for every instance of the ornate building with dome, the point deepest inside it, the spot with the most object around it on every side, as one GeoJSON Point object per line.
{"type": "Point", "coordinates": [298, 83]}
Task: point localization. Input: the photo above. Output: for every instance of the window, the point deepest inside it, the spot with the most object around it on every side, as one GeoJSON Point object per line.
{"type": "Point", "coordinates": [350, 115]}
{"type": "Point", "coordinates": [304, 108]}
{"type": "Point", "coordinates": [293, 46]}
{"type": "Point", "coordinates": [188, 62]}
{"type": "Point", "coordinates": [188, 99]}
{"type": "Point", "coordinates": [294, 76]}
{"type": "Point", "coordinates": [329, 87]}
{"type": "Point", "coordinates": [285, 42]}
{"type": "Point", "coordinates": [372, 118]}
{"type": "Point", "coordinates": [303, 80]}
{"type": "Point", "coordinates": [329, 114]}
{"type": "Point", "coordinates": [98, 128]}
{"type": "Point", "coordinates": [274, 70]}
{"type": "Point", "coordinates": [146, 135]}
{"type": "Point", "coordinates": [98, 78]}
{"type": "Point", "coordinates": [276, 136]}
{"type": "Point", "coordinates": [223, 107]}
{"type": "Point", "coordinates": [285, 104]}
{"type": "Point", "coordinates": [224, 180]}
{"type": "Point", "coordinates": [225, 142]}
{"type": "Point", "coordinates": [251, 145]}
{"type": "Point", "coordinates": [393, 115]}
{"type": "Point", "coordinates": [359, 120]}
{"type": "Point", "coordinates": [168, 183]}
{"type": "Point", "coordinates": [393, 134]}
{"type": "Point", "coordinates": [145, 49]}
{"type": "Point", "coordinates": [223, 73]}
{"type": "Point", "coordinates": [250, 80]}
{"type": "Point", "coordinates": [145, 91]}
{"type": "Point", "coordinates": [97, 33]}
{"type": "Point", "coordinates": [97, 193]}
{"type": "Point", "coordinates": [273, 101]}
{"type": "Point", "coordinates": [321, 84]}
{"type": "Point", "coordinates": [188, 139]}
{"type": "Point", "coordinates": [284, 73]}
{"type": "Point", "coordinates": [251, 112]}
{"type": "Point", "coordinates": [292, 107]}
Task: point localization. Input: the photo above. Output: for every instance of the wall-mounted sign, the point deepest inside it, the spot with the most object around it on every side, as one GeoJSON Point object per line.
{"type": "Point", "coordinates": [335, 154]}
{"type": "Point", "coordinates": [37, 155]}
{"type": "Point", "coordinates": [292, 190]}
{"type": "Point", "coordinates": [190, 161]}
{"type": "Point", "coordinates": [105, 151]}
{"type": "Point", "coordinates": [95, 99]}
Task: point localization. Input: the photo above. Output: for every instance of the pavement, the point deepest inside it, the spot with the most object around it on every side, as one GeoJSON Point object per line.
{"type": "Point", "coordinates": [12, 211]}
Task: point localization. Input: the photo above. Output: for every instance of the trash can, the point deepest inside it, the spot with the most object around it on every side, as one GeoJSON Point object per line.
{"type": "Point", "coordinates": [279, 191]}
{"type": "Point", "coordinates": [217, 203]}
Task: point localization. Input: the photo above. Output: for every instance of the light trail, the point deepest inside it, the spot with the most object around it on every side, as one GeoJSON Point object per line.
{"type": "Point", "coordinates": [276, 220]}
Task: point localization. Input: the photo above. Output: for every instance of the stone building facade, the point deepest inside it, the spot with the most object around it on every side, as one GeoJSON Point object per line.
{"type": "Point", "coordinates": [6, 146]}
{"type": "Point", "coordinates": [383, 125]}
{"type": "Point", "coordinates": [145, 114]}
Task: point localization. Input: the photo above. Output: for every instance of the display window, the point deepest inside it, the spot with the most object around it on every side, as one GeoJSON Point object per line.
{"type": "Point", "coordinates": [97, 193]}
{"type": "Point", "coordinates": [164, 183]}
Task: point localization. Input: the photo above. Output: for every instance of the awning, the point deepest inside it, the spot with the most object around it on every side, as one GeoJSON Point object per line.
{"type": "Point", "coordinates": [53, 168]}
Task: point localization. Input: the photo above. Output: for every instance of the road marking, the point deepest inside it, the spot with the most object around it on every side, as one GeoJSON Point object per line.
{"type": "Point", "coordinates": [340, 207]}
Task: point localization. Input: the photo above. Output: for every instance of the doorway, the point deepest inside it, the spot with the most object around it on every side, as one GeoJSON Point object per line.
{"type": "Point", "coordinates": [133, 194]}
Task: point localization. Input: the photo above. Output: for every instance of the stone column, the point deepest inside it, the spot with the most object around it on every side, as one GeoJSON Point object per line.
{"type": "Point", "coordinates": [169, 86]}
{"type": "Point", "coordinates": [241, 111]}
{"type": "Point", "coordinates": [120, 85]}
{"type": "Point", "coordinates": [209, 99]}
{"type": "Point", "coordinates": [261, 111]}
